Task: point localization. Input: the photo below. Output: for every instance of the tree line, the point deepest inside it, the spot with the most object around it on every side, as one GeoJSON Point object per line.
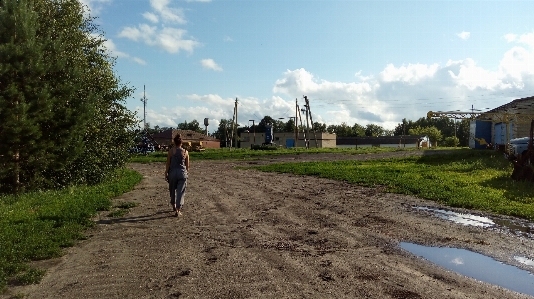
{"type": "Point", "coordinates": [447, 132]}
{"type": "Point", "coordinates": [62, 107]}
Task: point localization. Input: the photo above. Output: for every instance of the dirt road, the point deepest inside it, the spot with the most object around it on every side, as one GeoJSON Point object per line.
{"type": "Point", "coordinates": [248, 234]}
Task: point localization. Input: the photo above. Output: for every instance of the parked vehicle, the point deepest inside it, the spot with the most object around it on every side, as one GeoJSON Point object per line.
{"type": "Point", "coordinates": [516, 147]}
{"type": "Point", "coordinates": [522, 151]}
{"type": "Point", "coordinates": [144, 146]}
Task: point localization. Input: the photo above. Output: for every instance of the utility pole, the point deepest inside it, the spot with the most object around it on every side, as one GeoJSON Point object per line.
{"type": "Point", "coordinates": [306, 131]}
{"type": "Point", "coordinates": [236, 124]}
{"type": "Point", "coordinates": [311, 120]}
{"type": "Point", "coordinates": [232, 133]}
{"type": "Point", "coordinates": [254, 131]}
{"type": "Point", "coordinates": [144, 100]}
{"type": "Point", "coordinates": [296, 124]}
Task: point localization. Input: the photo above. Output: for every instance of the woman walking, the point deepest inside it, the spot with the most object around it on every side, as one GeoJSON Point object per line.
{"type": "Point", "coordinates": [176, 173]}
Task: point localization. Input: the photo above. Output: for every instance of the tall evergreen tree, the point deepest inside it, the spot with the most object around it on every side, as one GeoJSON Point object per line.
{"type": "Point", "coordinates": [32, 114]}
{"type": "Point", "coordinates": [61, 103]}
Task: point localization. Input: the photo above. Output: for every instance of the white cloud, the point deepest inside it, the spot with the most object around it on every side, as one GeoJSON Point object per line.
{"type": "Point", "coordinates": [172, 40]}
{"type": "Point", "coordinates": [517, 64]}
{"type": "Point", "coordinates": [527, 39]}
{"type": "Point", "coordinates": [228, 39]}
{"type": "Point", "coordinates": [410, 91]}
{"type": "Point", "coordinates": [412, 73]}
{"type": "Point", "coordinates": [162, 34]}
{"type": "Point", "coordinates": [510, 37]}
{"type": "Point", "coordinates": [112, 48]}
{"type": "Point", "coordinates": [469, 75]}
{"type": "Point", "coordinates": [168, 14]}
{"type": "Point", "coordinates": [403, 91]}
{"type": "Point", "coordinates": [210, 64]}
{"type": "Point", "coordinates": [151, 17]}
{"type": "Point", "coordinates": [464, 35]}
{"type": "Point", "coordinates": [139, 61]}
{"type": "Point", "coordinates": [113, 51]}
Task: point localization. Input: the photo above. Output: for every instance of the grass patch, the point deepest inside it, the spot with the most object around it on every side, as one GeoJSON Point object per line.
{"type": "Point", "coordinates": [473, 179]}
{"type": "Point", "coordinates": [122, 209]}
{"type": "Point", "coordinates": [241, 153]}
{"type": "Point", "coordinates": [37, 225]}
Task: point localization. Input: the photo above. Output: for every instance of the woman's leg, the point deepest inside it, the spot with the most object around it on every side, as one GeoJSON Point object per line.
{"type": "Point", "coordinates": [172, 190]}
{"type": "Point", "coordinates": [180, 193]}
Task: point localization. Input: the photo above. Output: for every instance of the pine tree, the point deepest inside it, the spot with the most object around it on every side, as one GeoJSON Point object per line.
{"type": "Point", "coordinates": [61, 105]}
{"type": "Point", "coordinates": [23, 98]}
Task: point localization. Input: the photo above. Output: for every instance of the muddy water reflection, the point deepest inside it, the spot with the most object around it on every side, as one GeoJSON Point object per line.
{"type": "Point", "coordinates": [516, 227]}
{"type": "Point", "coordinates": [476, 266]}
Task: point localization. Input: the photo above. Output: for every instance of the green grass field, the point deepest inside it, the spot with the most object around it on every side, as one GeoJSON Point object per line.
{"type": "Point", "coordinates": [474, 179]}
{"type": "Point", "coordinates": [37, 225]}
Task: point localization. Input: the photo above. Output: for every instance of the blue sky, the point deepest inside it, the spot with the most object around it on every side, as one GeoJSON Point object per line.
{"type": "Point", "coordinates": [357, 61]}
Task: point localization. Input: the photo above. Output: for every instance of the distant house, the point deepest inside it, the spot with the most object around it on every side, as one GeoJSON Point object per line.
{"type": "Point", "coordinates": [400, 141]}
{"type": "Point", "coordinates": [288, 140]}
{"type": "Point", "coordinates": [166, 138]}
{"type": "Point", "coordinates": [500, 126]}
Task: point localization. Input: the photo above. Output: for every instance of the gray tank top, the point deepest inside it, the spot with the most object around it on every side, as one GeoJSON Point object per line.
{"type": "Point", "coordinates": [178, 160]}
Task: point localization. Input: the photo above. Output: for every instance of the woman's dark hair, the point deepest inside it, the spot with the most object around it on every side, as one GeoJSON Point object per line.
{"type": "Point", "coordinates": [177, 140]}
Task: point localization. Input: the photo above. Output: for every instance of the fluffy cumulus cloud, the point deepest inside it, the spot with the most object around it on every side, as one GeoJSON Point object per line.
{"type": "Point", "coordinates": [398, 91]}
{"type": "Point", "coordinates": [172, 40]}
{"type": "Point", "coordinates": [152, 17]}
{"type": "Point", "coordinates": [167, 13]}
{"type": "Point", "coordinates": [518, 63]}
{"type": "Point", "coordinates": [210, 64]}
{"type": "Point", "coordinates": [411, 90]}
{"type": "Point", "coordinates": [464, 35]}
{"type": "Point", "coordinates": [162, 32]}
{"type": "Point", "coordinates": [113, 51]}
{"type": "Point", "coordinates": [410, 74]}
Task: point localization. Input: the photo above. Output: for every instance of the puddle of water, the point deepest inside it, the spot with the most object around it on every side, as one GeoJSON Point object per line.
{"type": "Point", "coordinates": [465, 219]}
{"type": "Point", "coordinates": [524, 260]}
{"type": "Point", "coordinates": [518, 228]}
{"type": "Point", "coordinates": [476, 266]}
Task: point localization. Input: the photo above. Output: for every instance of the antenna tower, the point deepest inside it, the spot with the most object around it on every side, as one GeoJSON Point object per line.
{"type": "Point", "coordinates": [144, 100]}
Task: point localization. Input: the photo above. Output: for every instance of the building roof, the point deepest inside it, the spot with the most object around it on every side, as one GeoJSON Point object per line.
{"type": "Point", "coordinates": [524, 104]}
{"type": "Point", "coordinates": [167, 134]}
{"type": "Point", "coordinates": [187, 135]}
{"type": "Point", "coordinates": [192, 135]}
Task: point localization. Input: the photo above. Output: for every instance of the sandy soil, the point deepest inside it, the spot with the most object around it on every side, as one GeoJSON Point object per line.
{"type": "Point", "coordinates": [248, 234]}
